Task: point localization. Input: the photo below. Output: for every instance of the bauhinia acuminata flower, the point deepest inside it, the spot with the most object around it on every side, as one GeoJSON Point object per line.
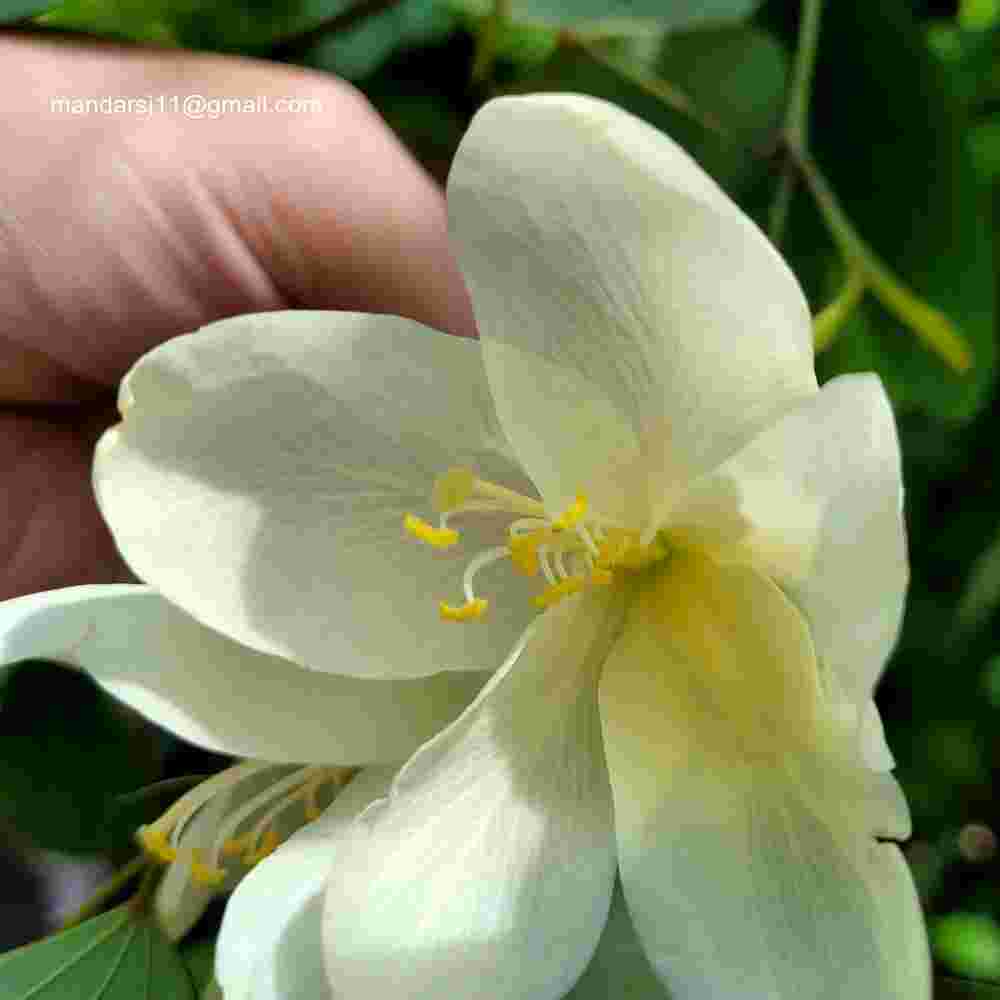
{"type": "Point", "coordinates": [632, 494]}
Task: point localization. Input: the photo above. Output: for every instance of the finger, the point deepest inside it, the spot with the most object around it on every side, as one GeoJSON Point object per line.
{"type": "Point", "coordinates": [119, 230]}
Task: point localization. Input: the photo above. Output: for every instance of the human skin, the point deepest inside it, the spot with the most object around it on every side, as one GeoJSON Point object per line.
{"type": "Point", "coordinates": [120, 231]}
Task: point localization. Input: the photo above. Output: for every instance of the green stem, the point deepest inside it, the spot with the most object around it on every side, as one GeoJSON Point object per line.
{"type": "Point", "coordinates": [936, 330]}
{"type": "Point", "coordinates": [796, 127]}
{"type": "Point", "coordinates": [663, 91]}
{"type": "Point", "coordinates": [828, 321]}
{"type": "Point", "coordinates": [106, 892]}
{"type": "Point", "coordinates": [797, 119]}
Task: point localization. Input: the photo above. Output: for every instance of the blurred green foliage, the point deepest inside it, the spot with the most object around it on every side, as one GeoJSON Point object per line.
{"type": "Point", "coordinates": [904, 123]}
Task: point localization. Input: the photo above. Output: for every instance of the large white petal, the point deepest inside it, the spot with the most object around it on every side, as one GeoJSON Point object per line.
{"type": "Point", "coordinates": [270, 947]}
{"type": "Point", "coordinates": [260, 477]}
{"type": "Point", "coordinates": [636, 326]}
{"type": "Point", "coordinates": [220, 695]}
{"type": "Point", "coordinates": [488, 870]}
{"type": "Point", "coordinates": [749, 844]}
{"type": "Point", "coordinates": [815, 501]}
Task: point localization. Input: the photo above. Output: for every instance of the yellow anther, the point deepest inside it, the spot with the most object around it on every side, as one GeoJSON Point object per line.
{"type": "Point", "coordinates": [573, 514]}
{"type": "Point", "coordinates": [202, 874]}
{"type": "Point", "coordinates": [601, 577]}
{"type": "Point", "coordinates": [440, 538]}
{"type": "Point", "coordinates": [237, 845]}
{"type": "Point", "coordinates": [268, 843]}
{"type": "Point", "coordinates": [465, 613]}
{"type": "Point", "coordinates": [452, 489]}
{"type": "Point", "coordinates": [555, 593]}
{"type": "Point", "coordinates": [154, 841]}
{"type": "Point", "coordinates": [524, 558]}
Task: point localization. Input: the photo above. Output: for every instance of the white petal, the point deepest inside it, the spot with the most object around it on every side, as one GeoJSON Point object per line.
{"type": "Point", "coordinates": [749, 846]}
{"type": "Point", "coordinates": [815, 501]}
{"type": "Point", "coordinates": [619, 967]}
{"type": "Point", "coordinates": [635, 324]}
{"type": "Point", "coordinates": [261, 474]}
{"type": "Point", "coordinates": [488, 870]}
{"type": "Point", "coordinates": [269, 946]}
{"type": "Point", "coordinates": [220, 695]}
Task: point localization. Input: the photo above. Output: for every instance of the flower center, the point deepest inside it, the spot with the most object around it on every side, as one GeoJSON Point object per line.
{"type": "Point", "coordinates": [248, 832]}
{"type": "Point", "coordinates": [572, 551]}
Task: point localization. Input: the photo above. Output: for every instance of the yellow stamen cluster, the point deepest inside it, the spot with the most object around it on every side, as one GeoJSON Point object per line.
{"type": "Point", "coordinates": [573, 552]}
{"type": "Point", "coordinates": [161, 840]}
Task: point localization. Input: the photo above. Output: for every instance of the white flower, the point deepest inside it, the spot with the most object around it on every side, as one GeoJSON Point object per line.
{"type": "Point", "coordinates": [639, 447]}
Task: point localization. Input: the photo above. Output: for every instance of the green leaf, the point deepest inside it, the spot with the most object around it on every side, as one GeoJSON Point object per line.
{"type": "Point", "coordinates": [968, 943]}
{"type": "Point", "coordinates": [717, 91]}
{"type": "Point", "coordinates": [898, 164]}
{"type": "Point", "coordinates": [17, 10]}
{"type": "Point", "coordinates": [199, 960]}
{"type": "Point", "coordinates": [666, 13]}
{"type": "Point", "coordinates": [119, 955]}
{"type": "Point", "coordinates": [67, 752]}
{"type": "Point", "coordinates": [359, 51]}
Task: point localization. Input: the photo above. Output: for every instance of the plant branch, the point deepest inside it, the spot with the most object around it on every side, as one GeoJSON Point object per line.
{"type": "Point", "coordinates": [796, 125]}
{"type": "Point", "coordinates": [663, 91]}
{"type": "Point", "coordinates": [931, 325]}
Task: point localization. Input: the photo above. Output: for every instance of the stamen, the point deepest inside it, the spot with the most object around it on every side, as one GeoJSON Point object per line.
{"type": "Point", "coordinates": [155, 843]}
{"type": "Point", "coordinates": [268, 843]}
{"type": "Point", "coordinates": [464, 613]}
{"type": "Point", "coordinates": [202, 874]}
{"type": "Point", "coordinates": [509, 499]}
{"type": "Point", "coordinates": [555, 593]}
{"type": "Point", "coordinates": [160, 839]}
{"type": "Point", "coordinates": [311, 780]}
{"type": "Point", "coordinates": [439, 538]}
{"type": "Point", "coordinates": [561, 565]}
{"type": "Point", "coordinates": [279, 790]}
{"type": "Point", "coordinates": [482, 560]}
{"type": "Point", "coordinates": [587, 539]}
{"type": "Point", "coordinates": [573, 514]}
{"type": "Point", "coordinates": [543, 561]}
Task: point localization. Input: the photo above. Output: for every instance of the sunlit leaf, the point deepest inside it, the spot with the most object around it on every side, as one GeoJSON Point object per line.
{"type": "Point", "coordinates": [117, 956]}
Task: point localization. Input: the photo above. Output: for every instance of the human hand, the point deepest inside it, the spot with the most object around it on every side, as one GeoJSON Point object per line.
{"type": "Point", "coordinates": [118, 231]}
